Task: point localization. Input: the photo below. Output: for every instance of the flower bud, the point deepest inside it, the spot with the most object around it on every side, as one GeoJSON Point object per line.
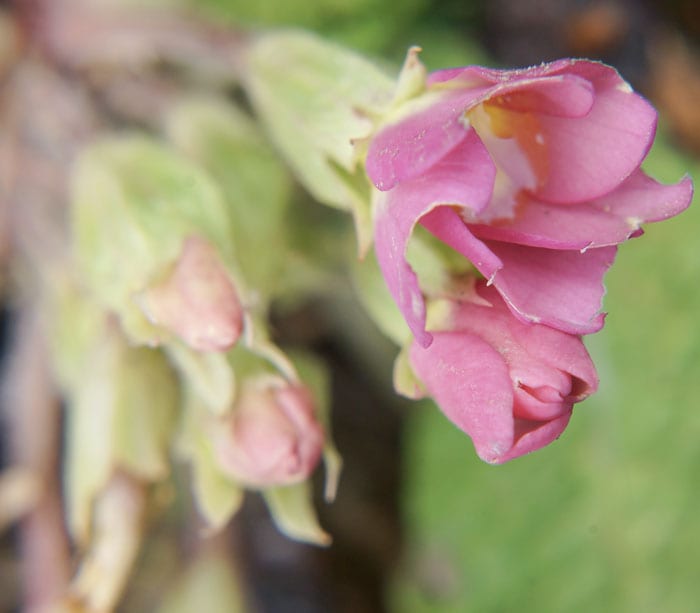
{"type": "Point", "coordinates": [197, 301]}
{"type": "Point", "coordinates": [272, 436]}
{"type": "Point", "coordinates": [510, 386]}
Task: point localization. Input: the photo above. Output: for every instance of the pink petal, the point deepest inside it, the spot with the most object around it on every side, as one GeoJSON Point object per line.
{"type": "Point", "coordinates": [463, 370]}
{"type": "Point", "coordinates": [480, 74]}
{"type": "Point", "coordinates": [539, 356]}
{"type": "Point", "coordinates": [533, 435]}
{"type": "Point", "coordinates": [573, 227]}
{"type": "Point", "coordinates": [609, 220]}
{"type": "Point", "coordinates": [588, 155]}
{"type": "Point", "coordinates": [464, 177]}
{"type": "Point", "coordinates": [542, 89]}
{"type": "Point", "coordinates": [644, 199]}
{"type": "Point", "coordinates": [449, 227]}
{"type": "Point", "coordinates": [591, 155]}
{"type": "Point", "coordinates": [562, 289]}
{"type": "Point", "coordinates": [407, 149]}
{"type": "Point", "coordinates": [470, 382]}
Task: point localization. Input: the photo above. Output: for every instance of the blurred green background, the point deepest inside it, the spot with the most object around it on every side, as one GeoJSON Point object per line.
{"type": "Point", "coordinates": [606, 518]}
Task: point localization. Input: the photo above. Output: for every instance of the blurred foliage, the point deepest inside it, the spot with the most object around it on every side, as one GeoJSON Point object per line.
{"type": "Point", "coordinates": [371, 26]}
{"type": "Point", "coordinates": [605, 519]}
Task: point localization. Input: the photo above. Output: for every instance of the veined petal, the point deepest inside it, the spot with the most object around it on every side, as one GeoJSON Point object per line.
{"type": "Point", "coordinates": [561, 289]}
{"type": "Point", "coordinates": [609, 220]}
{"type": "Point", "coordinates": [463, 178]}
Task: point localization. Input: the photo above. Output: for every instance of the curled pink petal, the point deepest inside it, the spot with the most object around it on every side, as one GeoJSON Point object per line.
{"type": "Point", "coordinates": [470, 383]}
{"type": "Point", "coordinates": [405, 150]}
{"type": "Point", "coordinates": [605, 221]}
{"type": "Point", "coordinates": [510, 386]}
{"type": "Point", "coordinates": [464, 177]}
{"type": "Point", "coordinates": [562, 289]}
{"type": "Point", "coordinates": [588, 154]}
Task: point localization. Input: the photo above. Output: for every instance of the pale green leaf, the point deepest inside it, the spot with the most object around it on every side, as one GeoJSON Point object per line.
{"type": "Point", "coordinates": [294, 514]}
{"type": "Point", "coordinates": [315, 99]}
{"type": "Point", "coordinates": [254, 183]}
{"type": "Point", "coordinates": [145, 414]}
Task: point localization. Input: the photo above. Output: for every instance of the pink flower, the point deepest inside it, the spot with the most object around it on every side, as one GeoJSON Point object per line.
{"type": "Point", "coordinates": [272, 436]}
{"type": "Point", "coordinates": [509, 385]}
{"type": "Point", "coordinates": [533, 175]}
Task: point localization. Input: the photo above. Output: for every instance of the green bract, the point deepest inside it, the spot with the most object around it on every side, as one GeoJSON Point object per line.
{"type": "Point", "coordinates": [315, 100]}
{"type": "Point", "coordinates": [133, 204]}
{"type": "Point", "coordinates": [254, 184]}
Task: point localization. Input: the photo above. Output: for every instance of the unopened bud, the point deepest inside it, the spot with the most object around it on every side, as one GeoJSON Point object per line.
{"type": "Point", "coordinates": [272, 436]}
{"type": "Point", "coordinates": [198, 301]}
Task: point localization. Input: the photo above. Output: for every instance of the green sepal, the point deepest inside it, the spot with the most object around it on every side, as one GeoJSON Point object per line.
{"type": "Point", "coordinates": [375, 298]}
{"type": "Point", "coordinates": [316, 99]}
{"type": "Point", "coordinates": [210, 582]}
{"type": "Point", "coordinates": [406, 382]}
{"type": "Point", "coordinates": [145, 418]}
{"type": "Point", "coordinates": [217, 496]}
{"type": "Point", "coordinates": [255, 185]}
{"type": "Point", "coordinates": [294, 515]}
{"type": "Point", "coordinates": [208, 376]}
{"type": "Point", "coordinates": [120, 415]}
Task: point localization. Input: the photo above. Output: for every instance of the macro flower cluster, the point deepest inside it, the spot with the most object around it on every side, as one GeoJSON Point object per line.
{"type": "Point", "coordinates": [533, 175]}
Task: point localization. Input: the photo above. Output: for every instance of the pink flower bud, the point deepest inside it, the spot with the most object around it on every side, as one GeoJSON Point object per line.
{"type": "Point", "coordinates": [510, 386]}
{"type": "Point", "coordinates": [272, 437]}
{"type": "Point", "coordinates": [197, 301]}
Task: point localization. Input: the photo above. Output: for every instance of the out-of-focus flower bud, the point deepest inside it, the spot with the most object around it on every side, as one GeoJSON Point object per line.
{"type": "Point", "coordinates": [197, 301]}
{"type": "Point", "coordinates": [135, 204]}
{"type": "Point", "coordinates": [272, 436]}
{"type": "Point", "coordinates": [510, 386]}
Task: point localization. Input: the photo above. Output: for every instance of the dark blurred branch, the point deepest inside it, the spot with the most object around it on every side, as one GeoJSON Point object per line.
{"type": "Point", "coordinates": [33, 414]}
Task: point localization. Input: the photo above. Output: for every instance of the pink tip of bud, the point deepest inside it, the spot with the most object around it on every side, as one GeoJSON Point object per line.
{"type": "Point", "coordinates": [197, 301]}
{"type": "Point", "coordinates": [272, 437]}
